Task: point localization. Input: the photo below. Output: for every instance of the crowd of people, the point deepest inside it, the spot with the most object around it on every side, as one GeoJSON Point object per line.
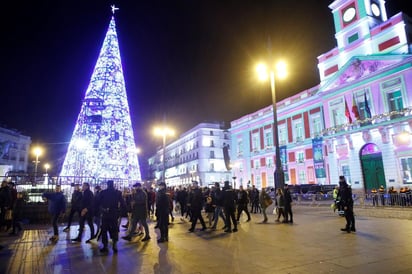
{"type": "Point", "coordinates": [103, 210]}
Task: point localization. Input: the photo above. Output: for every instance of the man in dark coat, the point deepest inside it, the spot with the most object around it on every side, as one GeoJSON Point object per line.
{"type": "Point", "coordinates": [345, 194]}
{"type": "Point", "coordinates": [162, 212]}
{"type": "Point", "coordinates": [288, 205]}
{"type": "Point", "coordinates": [5, 202]}
{"type": "Point", "coordinates": [195, 202]}
{"type": "Point", "coordinates": [139, 212]}
{"type": "Point", "coordinates": [110, 201]}
{"type": "Point", "coordinates": [86, 213]}
{"type": "Point", "coordinates": [217, 203]}
{"type": "Point", "coordinates": [75, 205]}
{"type": "Point", "coordinates": [229, 204]}
{"type": "Point", "coordinates": [242, 203]}
{"type": "Point", "coordinates": [57, 206]}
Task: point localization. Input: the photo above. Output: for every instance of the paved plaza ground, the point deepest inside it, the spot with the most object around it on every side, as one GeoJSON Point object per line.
{"type": "Point", "coordinates": [313, 244]}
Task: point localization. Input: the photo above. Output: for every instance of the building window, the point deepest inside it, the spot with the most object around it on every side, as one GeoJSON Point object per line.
{"type": "Point", "coordinates": [346, 172]}
{"type": "Point", "coordinates": [316, 125]}
{"type": "Point", "coordinates": [300, 156]}
{"type": "Point", "coordinates": [211, 133]}
{"type": "Point", "coordinates": [406, 170]}
{"type": "Point", "coordinates": [395, 102]}
{"type": "Point", "coordinates": [212, 154]}
{"type": "Point", "coordinates": [269, 161]}
{"type": "Point", "coordinates": [239, 146]}
{"type": "Point", "coordinates": [283, 134]}
{"type": "Point", "coordinates": [258, 182]}
{"type": "Point", "coordinates": [302, 177]}
{"type": "Point", "coordinates": [337, 112]}
{"type": "Point", "coordinates": [255, 142]}
{"type": "Point", "coordinates": [394, 94]}
{"type": "Point", "coordinates": [298, 130]}
{"type": "Point", "coordinates": [212, 167]}
{"type": "Point", "coordinates": [268, 138]}
{"type": "Point", "coordinates": [256, 163]}
{"type": "Point", "coordinates": [212, 143]}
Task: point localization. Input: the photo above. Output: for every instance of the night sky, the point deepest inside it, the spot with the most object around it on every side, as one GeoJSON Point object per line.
{"type": "Point", "coordinates": [188, 61]}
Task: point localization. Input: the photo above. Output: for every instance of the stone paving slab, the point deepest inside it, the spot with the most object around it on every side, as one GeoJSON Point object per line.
{"type": "Point", "coordinates": [313, 244]}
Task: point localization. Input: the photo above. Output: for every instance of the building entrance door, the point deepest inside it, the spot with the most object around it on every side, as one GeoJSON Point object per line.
{"type": "Point", "coordinates": [372, 167]}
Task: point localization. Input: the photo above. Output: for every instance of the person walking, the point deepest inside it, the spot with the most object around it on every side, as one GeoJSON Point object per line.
{"type": "Point", "coordinates": [217, 203]}
{"type": "Point", "coordinates": [345, 193]}
{"type": "Point", "coordinates": [57, 206]}
{"type": "Point", "coordinates": [229, 204]}
{"type": "Point", "coordinates": [86, 213]}
{"type": "Point", "coordinates": [139, 212]}
{"type": "Point", "coordinates": [162, 213]}
{"type": "Point", "coordinates": [280, 205]}
{"type": "Point", "coordinates": [110, 201]}
{"type": "Point", "coordinates": [17, 214]}
{"type": "Point", "coordinates": [97, 219]}
{"type": "Point", "coordinates": [265, 201]}
{"type": "Point", "coordinates": [75, 206]}
{"type": "Point", "coordinates": [288, 205]}
{"type": "Point", "coordinates": [242, 203]}
{"type": "Point", "coordinates": [196, 201]}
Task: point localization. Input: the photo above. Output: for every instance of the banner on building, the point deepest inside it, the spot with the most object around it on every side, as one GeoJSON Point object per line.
{"type": "Point", "coordinates": [319, 163]}
{"type": "Point", "coordinates": [284, 161]}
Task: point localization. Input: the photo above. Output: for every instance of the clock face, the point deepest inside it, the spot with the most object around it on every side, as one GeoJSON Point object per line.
{"type": "Point", "coordinates": [349, 14]}
{"type": "Point", "coordinates": [375, 10]}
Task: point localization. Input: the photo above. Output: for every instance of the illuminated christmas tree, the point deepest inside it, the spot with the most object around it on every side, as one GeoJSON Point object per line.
{"type": "Point", "coordinates": [103, 146]}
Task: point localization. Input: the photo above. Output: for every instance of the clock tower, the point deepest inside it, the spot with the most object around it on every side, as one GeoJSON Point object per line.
{"type": "Point", "coordinates": [362, 29]}
{"type": "Point", "coordinates": [354, 19]}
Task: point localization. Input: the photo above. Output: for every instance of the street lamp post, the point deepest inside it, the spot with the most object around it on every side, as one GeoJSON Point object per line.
{"type": "Point", "coordinates": [37, 152]}
{"type": "Point", "coordinates": [164, 132]}
{"type": "Point", "coordinates": [272, 72]}
{"type": "Point", "coordinates": [46, 168]}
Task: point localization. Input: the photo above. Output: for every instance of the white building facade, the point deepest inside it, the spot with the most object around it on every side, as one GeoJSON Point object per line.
{"type": "Point", "coordinates": [197, 155]}
{"type": "Point", "coordinates": [14, 151]}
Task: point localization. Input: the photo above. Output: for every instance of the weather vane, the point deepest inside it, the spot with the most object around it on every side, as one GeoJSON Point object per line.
{"type": "Point", "coordinates": [114, 8]}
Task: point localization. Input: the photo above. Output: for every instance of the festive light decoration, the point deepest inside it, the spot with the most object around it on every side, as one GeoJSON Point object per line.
{"type": "Point", "coordinates": [103, 145]}
{"type": "Point", "coordinates": [374, 120]}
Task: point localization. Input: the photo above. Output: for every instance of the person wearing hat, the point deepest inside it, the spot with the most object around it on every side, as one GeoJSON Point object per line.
{"type": "Point", "coordinates": [139, 212]}
{"type": "Point", "coordinates": [345, 194]}
{"type": "Point", "coordinates": [196, 204]}
{"type": "Point", "coordinates": [162, 212]}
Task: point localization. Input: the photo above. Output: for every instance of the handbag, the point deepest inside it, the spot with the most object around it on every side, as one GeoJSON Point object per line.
{"type": "Point", "coordinates": [8, 216]}
{"type": "Point", "coordinates": [268, 202]}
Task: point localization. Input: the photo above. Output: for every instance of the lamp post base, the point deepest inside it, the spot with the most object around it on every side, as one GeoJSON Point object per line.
{"type": "Point", "coordinates": [279, 178]}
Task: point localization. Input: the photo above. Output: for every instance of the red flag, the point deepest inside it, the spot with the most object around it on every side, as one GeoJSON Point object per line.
{"type": "Point", "coordinates": [355, 110]}
{"type": "Point", "coordinates": [347, 113]}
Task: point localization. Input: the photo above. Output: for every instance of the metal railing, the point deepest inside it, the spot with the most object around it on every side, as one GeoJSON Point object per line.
{"type": "Point", "coordinates": [374, 200]}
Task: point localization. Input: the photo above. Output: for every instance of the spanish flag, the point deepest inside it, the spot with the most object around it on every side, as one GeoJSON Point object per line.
{"type": "Point", "coordinates": [355, 110]}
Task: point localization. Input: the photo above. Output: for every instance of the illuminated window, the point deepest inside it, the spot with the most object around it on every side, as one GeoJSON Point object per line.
{"type": "Point", "coordinates": [239, 146]}
{"type": "Point", "coordinates": [406, 170]}
{"type": "Point", "coordinates": [337, 112]}
{"type": "Point", "coordinates": [283, 134]}
{"type": "Point", "coordinates": [268, 138]}
{"type": "Point", "coordinates": [316, 124]}
{"type": "Point", "coordinates": [298, 130]}
{"type": "Point", "coordinates": [255, 141]}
